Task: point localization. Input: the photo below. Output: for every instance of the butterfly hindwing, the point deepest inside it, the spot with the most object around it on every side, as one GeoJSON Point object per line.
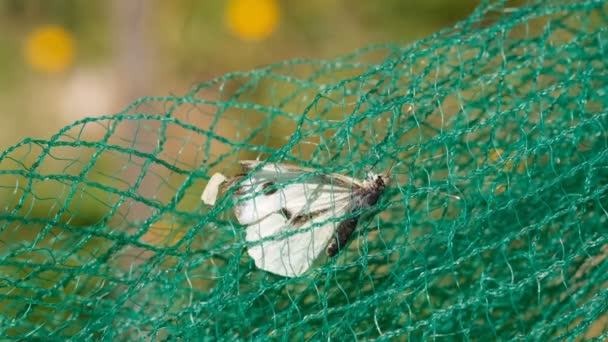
{"type": "Point", "coordinates": [289, 247]}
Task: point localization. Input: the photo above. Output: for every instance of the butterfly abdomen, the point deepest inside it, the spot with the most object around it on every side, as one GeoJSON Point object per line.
{"type": "Point", "coordinates": [343, 233]}
{"type": "Point", "coordinates": [363, 198]}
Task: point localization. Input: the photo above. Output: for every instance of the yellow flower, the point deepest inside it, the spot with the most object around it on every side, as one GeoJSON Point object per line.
{"type": "Point", "coordinates": [252, 19]}
{"type": "Point", "coordinates": [49, 49]}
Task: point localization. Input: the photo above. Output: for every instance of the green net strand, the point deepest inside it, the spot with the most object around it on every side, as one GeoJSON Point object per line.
{"type": "Point", "coordinates": [494, 226]}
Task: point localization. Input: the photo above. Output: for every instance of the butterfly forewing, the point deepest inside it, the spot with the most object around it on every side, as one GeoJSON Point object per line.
{"type": "Point", "coordinates": [281, 189]}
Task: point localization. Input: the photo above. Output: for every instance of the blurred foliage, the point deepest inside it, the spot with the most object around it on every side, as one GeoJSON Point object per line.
{"type": "Point", "coordinates": [186, 42]}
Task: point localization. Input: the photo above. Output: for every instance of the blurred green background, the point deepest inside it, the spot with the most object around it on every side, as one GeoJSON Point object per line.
{"type": "Point", "coordinates": [61, 61]}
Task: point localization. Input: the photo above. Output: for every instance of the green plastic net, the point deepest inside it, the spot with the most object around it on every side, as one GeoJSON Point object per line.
{"type": "Point", "coordinates": [494, 226]}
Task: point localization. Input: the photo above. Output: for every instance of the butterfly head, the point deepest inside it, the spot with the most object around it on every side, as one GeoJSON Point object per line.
{"type": "Point", "coordinates": [378, 181]}
{"type": "Point", "coordinates": [382, 180]}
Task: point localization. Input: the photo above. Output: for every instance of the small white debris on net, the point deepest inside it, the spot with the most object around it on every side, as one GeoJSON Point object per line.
{"type": "Point", "coordinates": [209, 195]}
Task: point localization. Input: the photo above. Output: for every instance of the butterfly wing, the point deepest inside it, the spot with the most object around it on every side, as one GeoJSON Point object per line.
{"type": "Point", "coordinates": [288, 247]}
{"type": "Point", "coordinates": [288, 190]}
{"type": "Point", "coordinates": [286, 170]}
{"type": "Point", "coordinates": [291, 214]}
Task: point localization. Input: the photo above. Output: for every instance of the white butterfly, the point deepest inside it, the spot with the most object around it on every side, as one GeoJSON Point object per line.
{"type": "Point", "coordinates": [294, 213]}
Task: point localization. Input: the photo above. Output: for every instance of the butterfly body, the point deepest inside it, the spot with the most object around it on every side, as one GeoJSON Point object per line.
{"type": "Point", "coordinates": [292, 213]}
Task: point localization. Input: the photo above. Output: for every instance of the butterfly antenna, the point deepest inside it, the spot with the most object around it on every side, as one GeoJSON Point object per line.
{"type": "Point", "coordinates": [390, 169]}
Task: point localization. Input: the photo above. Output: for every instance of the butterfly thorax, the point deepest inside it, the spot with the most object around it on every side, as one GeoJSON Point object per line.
{"type": "Point", "coordinates": [367, 195]}
{"type": "Point", "coordinates": [362, 198]}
